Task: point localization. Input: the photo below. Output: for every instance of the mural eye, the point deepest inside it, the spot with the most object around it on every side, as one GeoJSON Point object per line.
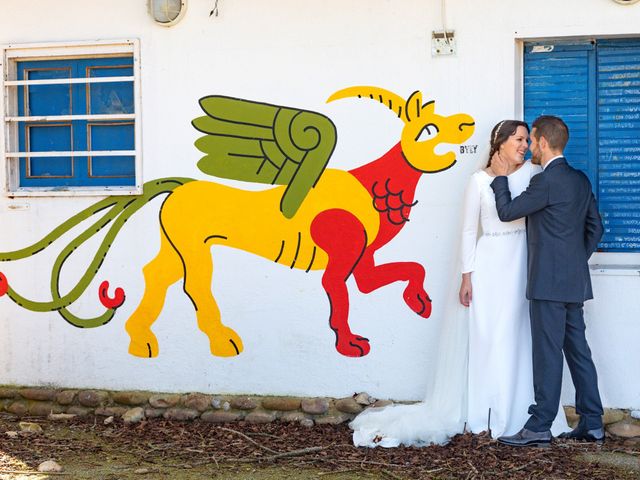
{"type": "Point", "coordinates": [427, 133]}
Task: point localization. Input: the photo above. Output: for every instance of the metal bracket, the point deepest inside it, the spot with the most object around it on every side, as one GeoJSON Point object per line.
{"type": "Point", "coordinates": [443, 43]}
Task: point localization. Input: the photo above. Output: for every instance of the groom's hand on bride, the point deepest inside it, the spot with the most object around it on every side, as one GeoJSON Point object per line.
{"type": "Point", "coordinates": [499, 165]}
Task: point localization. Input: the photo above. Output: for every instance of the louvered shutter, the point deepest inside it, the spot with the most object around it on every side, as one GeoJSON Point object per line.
{"type": "Point", "coordinates": [559, 80]}
{"type": "Point", "coordinates": [619, 143]}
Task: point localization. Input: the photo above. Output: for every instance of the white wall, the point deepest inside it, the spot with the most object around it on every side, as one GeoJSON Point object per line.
{"type": "Point", "coordinates": [295, 53]}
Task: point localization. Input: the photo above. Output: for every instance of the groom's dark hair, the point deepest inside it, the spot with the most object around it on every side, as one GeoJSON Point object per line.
{"type": "Point", "coordinates": [553, 129]}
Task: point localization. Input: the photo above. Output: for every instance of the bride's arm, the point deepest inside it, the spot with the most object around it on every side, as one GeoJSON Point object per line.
{"type": "Point", "coordinates": [470, 220]}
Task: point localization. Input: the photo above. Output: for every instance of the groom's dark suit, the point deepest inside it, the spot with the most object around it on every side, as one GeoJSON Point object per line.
{"type": "Point", "coordinates": [563, 230]}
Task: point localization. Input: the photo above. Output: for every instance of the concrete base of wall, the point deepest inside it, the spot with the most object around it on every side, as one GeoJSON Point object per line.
{"type": "Point", "coordinates": [134, 406]}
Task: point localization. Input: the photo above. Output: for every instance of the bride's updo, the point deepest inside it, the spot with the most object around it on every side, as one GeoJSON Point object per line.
{"type": "Point", "coordinates": [501, 133]}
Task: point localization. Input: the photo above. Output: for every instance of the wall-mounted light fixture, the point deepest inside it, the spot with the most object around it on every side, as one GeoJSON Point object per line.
{"type": "Point", "coordinates": [167, 12]}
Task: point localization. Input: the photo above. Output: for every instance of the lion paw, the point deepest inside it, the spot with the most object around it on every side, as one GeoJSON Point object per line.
{"type": "Point", "coordinates": [143, 343]}
{"type": "Point", "coordinates": [146, 347]}
{"type": "Point", "coordinates": [225, 342]}
{"type": "Point", "coordinates": [418, 300]}
{"type": "Point", "coordinates": [353, 345]}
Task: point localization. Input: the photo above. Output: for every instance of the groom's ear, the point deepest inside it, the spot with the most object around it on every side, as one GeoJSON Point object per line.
{"type": "Point", "coordinates": [542, 142]}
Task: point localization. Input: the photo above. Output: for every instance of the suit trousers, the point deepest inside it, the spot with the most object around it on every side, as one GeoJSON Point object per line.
{"type": "Point", "coordinates": [558, 327]}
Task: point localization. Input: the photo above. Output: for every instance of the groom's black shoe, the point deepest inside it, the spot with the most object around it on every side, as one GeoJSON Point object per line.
{"type": "Point", "coordinates": [579, 433]}
{"type": "Point", "coordinates": [527, 438]}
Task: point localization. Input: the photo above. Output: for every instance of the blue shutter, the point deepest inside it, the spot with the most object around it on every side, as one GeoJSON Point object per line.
{"type": "Point", "coordinates": [44, 136]}
{"type": "Point", "coordinates": [619, 143]}
{"type": "Point", "coordinates": [76, 135]}
{"type": "Point", "coordinates": [559, 79]}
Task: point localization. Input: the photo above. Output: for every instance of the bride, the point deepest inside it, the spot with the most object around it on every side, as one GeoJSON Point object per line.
{"type": "Point", "coordinates": [484, 377]}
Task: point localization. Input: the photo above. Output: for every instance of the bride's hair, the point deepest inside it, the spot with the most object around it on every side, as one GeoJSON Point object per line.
{"type": "Point", "coordinates": [501, 133]}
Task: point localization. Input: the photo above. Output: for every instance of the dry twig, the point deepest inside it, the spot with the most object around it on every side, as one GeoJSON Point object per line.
{"type": "Point", "coordinates": [293, 453]}
{"type": "Point", "coordinates": [246, 437]}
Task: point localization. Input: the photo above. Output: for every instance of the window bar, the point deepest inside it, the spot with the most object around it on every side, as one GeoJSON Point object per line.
{"type": "Point", "coordinates": [88, 153]}
{"type": "Point", "coordinates": [65, 81]}
{"type": "Point", "coordinates": [54, 118]}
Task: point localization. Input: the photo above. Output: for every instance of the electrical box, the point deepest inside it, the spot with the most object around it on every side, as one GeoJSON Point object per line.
{"type": "Point", "coordinates": [443, 43]}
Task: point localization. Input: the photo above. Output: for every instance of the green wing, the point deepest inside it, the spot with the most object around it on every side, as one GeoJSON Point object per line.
{"type": "Point", "coordinates": [263, 143]}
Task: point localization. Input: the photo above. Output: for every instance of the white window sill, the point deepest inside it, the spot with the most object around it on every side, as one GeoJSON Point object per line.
{"type": "Point", "coordinates": [615, 270]}
{"type": "Point", "coordinates": [74, 192]}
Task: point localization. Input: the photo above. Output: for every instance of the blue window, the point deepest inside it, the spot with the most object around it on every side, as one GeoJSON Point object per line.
{"type": "Point", "coordinates": [106, 145]}
{"type": "Point", "coordinates": [594, 86]}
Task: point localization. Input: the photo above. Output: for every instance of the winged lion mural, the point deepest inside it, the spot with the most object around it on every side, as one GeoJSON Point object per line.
{"type": "Point", "coordinates": [314, 218]}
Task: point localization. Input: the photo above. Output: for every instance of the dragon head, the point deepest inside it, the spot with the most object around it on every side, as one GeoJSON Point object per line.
{"type": "Point", "coordinates": [423, 128]}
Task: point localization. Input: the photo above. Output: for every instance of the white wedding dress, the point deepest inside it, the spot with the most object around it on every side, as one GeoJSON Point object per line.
{"type": "Point", "coordinates": [484, 377]}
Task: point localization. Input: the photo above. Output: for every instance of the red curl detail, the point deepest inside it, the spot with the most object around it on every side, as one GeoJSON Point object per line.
{"type": "Point", "coordinates": [106, 300]}
{"type": "Point", "coordinates": [4, 284]}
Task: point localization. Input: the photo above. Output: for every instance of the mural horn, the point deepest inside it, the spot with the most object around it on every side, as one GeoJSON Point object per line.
{"type": "Point", "coordinates": [391, 100]}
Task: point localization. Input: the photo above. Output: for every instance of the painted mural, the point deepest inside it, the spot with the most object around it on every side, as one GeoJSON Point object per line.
{"type": "Point", "coordinates": [314, 219]}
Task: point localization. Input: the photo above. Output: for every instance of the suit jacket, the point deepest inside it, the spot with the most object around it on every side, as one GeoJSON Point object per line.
{"type": "Point", "coordinates": [563, 230]}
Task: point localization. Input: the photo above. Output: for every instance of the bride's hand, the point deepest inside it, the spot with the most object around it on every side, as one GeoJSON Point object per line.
{"type": "Point", "coordinates": [465, 290]}
{"type": "Point", "coordinates": [499, 166]}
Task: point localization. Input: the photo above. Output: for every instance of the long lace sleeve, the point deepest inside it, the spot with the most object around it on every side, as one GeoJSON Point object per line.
{"type": "Point", "coordinates": [470, 221]}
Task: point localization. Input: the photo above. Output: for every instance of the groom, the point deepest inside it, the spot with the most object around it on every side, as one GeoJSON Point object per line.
{"type": "Point", "coordinates": [563, 230]}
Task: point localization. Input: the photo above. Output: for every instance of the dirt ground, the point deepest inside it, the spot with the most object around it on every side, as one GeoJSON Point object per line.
{"type": "Point", "coordinates": [159, 449]}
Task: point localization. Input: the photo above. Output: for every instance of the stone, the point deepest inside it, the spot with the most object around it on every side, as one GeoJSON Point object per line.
{"type": "Point", "coordinates": [38, 393]}
{"type": "Point", "coordinates": [197, 401]}
{"type": "Point", "coordinates": [6, 392]}
{"type": "Point", "coordinates": [624, 429]}
{"type": "Point", "coordinates": [381, 403]}
{"type": "Point", "coordinates": [11, 434]}
{"type": "Point", "coordinates": [154, 412]}
{"type": "Point", "coordinates": [30, 427]}
{"type": "Point", "coordinates": [363, 398]}
{"type": "Point", "coordinates": [92, 398]}
{"type": "Point", "coordinates": [348, 405]}
{"type": "Point", "coordinates": [294, 417]}
{"type": "Point", "coordinates": [141, 471]}
{"type": "Point", "coordinates": [130, 398]}
{"type": "Point", "coordinates": [164, 400]}
{"type": "Point", "coordinates": [260, 417]}
{"type": "Point", "coordinates": [133, 415]}
{"type": "Point", "coordinates": [612, 415]}
{"type": "Point", "coordinates": [50, 467]}
{"type": "Point", "coordinates": [243, 403]}
{"type": "Point", "coordinates": [572, 417]}
{"type": "Point", "coordinates": [181, 414]}
{"type": "Point", "coordinates": [79, 411]}
{"type": "Point", "coordinates": [282, 404]}
{"type": "Point", "coordinates": [18, 407]}
{"type": "Point", "coordinates": [66, 397]}
{"type": "Point", "coordinates": [42, 409]}
{"type": "Point", "coordinates": [220, 417]}
{"type": "Point", "coordinates": [629, 442]}
{"type": "Point", "coordinates": [307, 422]}
{"type": "Point", "coordinates": [110, 411]}
{"type": "Point", "coordinates": [315, 406]}
{"type": "Point", "coordinates": [333, 419]}
{"type": "Point", "coordinates": [108, 421]}
{"type": "Point", "coordinates": [60, 417]}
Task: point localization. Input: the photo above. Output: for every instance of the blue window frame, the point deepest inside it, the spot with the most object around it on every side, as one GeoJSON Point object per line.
{"type": "Point", "coordinates": [76, 135]}
{"type": "Point", "coordinates": [595, 87]}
